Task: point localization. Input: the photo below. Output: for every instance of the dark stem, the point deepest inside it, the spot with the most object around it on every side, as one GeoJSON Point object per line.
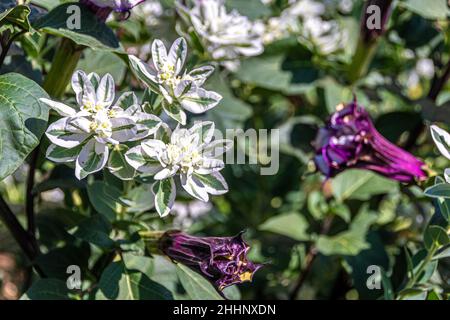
{"type": "Point", "coordinates": [309, 260]}
{"type": "Point", "coordinates": [6, 48]}
{"type": "Point", "coordinates": [439, 84]}
{"type": "Point", "coordinates": [19, 233]}
{"type": "Point", "coordinates": [29, 204]}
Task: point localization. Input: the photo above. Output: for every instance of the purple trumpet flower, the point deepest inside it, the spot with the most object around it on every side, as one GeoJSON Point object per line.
{"type": "Point", "coordinates": [350, 140]}
{"type": "Point", "coordinates": [222, 260]}
{"type": "Point", "coordinates": [102, 8]}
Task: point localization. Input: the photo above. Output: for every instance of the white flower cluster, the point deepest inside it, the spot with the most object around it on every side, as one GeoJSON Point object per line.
{"type": "Point", "coordinates": [226, 36]}
{"type": "Point", "coordinates": [100, 132]}
{"type": "Point", "coordinates": [181, 90]}
{"type": "Point", "coordinates": [303, 19]}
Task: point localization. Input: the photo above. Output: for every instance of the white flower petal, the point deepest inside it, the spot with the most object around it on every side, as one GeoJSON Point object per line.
{"type": "Point", "coordinates": [59, 154]}
{"type": "Point", "coordinates": [123, 129]}
{"type": "Point", "coordinates": [210, 165]}
{"type": "Point", "coordinates": [177, 54]}
{"type": "Point", "coordinates": [213, 183]}
{"type": "Point", "coordinates": [200, 100]}
{"type": "Point", "coordinates": [447, 175]}
{"type": "Point", "coordinates": [217, 148]}
{"type": "Point", "coordinates": [200, 75]}
{"type": "Point", "coordinates": [195, 188]}
{"type": "Point", "coordinates": [153, 148]}
{"type": "Point", "coordinates": [92, 158]}
{"type": "Point", "coordinates": [159, 54]}
{"type": "Point", "coordinates": [165, 193]}
{"type": "Point", "coordinates": [138, 160]}
{"type": "Point", "coordinates": [204, 129]}
{"type": "Point", "coordinates": [79, 78]}
{"type": "Point", "coordinates": [105, 91]}
{"type": "Point", "coordinates": [166, 173]}
{"type": "Point", "coordinates": [144, 72]}
{"type": "Point", "coordinates": [59, 134]}
{"type": "Point", "coordinates": [442, 140]}
{"type": "Point", "coordinates": [61, 108]}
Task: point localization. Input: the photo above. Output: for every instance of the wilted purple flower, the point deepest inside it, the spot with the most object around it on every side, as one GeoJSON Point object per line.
{"type": "Point", "coordinates": [222, 260]}
{"type": "Point", "coordinates": [350, 140]}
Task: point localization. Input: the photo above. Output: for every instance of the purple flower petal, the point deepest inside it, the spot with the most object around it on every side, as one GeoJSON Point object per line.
{"type": "Point", "coordinates": [350, 140]}
{"type": "Point", "coordinates": [222, 260]}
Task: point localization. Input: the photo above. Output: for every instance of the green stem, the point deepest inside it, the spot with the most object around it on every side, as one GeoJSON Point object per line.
{"type": "Point", "coordinates": [364, 53]}
{"type": "Point", "coordinates": [151, 239]}
{"type": "Point", "coordinates": [422, 266]}
{"type": "Point", "coordinates": [22, 237]}
{"type": "Point", "coordinates": [64, 63]}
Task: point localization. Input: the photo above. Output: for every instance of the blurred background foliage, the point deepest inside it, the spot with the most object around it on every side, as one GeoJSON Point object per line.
{"type": "Point", "coordinates": [317, 238]}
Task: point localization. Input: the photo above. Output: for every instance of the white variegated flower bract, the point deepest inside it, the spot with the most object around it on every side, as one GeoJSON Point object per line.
{"type": "Point", "coordinates": [227, 36]}
{"type": "Point", "coordinates": [181, 90]}
{"type": "Point", "coordinates": [84, 133]}
{"type": "Point", "coordinates": [190, 154]}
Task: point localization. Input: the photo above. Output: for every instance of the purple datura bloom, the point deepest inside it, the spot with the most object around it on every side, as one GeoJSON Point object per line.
{"type": "Point", "coordinates": [350, 140]}
{"type": "Point", "coordinates": [102, 8]}
{"type": "Point", "coordinates": [116, 5]}
{"type": "Point", "coordinates": [222, 260]}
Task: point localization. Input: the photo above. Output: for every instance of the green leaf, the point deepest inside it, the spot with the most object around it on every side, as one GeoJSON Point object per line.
{"type": "Point", "coordinates": [17, 16]}
{"type": "Point", "coordinates": [104, 198]}
{"type": "Point", "coordinates": [23, 120]}
{"type": "Point", "coordinates": [445, 253]}
{"type": "Point", "coordinates": [102, 62]}
{"type": "Point", "coordinates": [54, 263]}
{"type": "Point", "coordinates": [438, 190]}
{"type": "Point", "coordinates": [232, 293]}
{"type": "Point", "coordinates": [360, 185]}
{"type": "Point", "coordinates": [140, 199]}
{"type": "Point", "coordinates": [435, 236]}
{"type": "Point", "coordinates": [119, 283]}
{"type": "Point", "coordinates": [432, 9]}
{"type": "Point", "coordinates": [231, 113]}
{"type": "Point", "coordinates": [95, 230]}
{"type": "Point", "coordinates": [413, 294]}
{"type": "Point", "coordinates": [265, 72]}
{"type": "Point", "coordinates": [197, 287]}
{"type": "Point", "coordinates": [47, 289]}
{"type": "Point", "coordinates": [350, 242]}
{"type": "Point", "coordinates": [251, 8]}
{"type": "Point", "coordinates": [118, 165]}
{"type": "Point", "coordinates": [292, 225]}
{"type": "Point", "coordinates": [92, 33]}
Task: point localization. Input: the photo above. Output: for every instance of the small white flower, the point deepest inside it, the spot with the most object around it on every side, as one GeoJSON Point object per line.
{"type": "Point", "coordinates": [83, 134]}
{"type": "Point", "coordinates": [190, 154]}
{"type": "Point", "coordinates": [303, 20]}
{"type": "Point", "coordinates": [425, 68]}
{"type": "Point", "coordinates": [150, 11]}
{"type": "Point", "coordinates": [180, 89]}
{"type": "Point", "coordinates": [227, 36]}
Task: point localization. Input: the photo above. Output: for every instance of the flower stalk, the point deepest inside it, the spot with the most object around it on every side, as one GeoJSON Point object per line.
{"type": "Point", "coordinates": [374, 19]}
{"type": "Point", "coordinates": [63, 66]}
